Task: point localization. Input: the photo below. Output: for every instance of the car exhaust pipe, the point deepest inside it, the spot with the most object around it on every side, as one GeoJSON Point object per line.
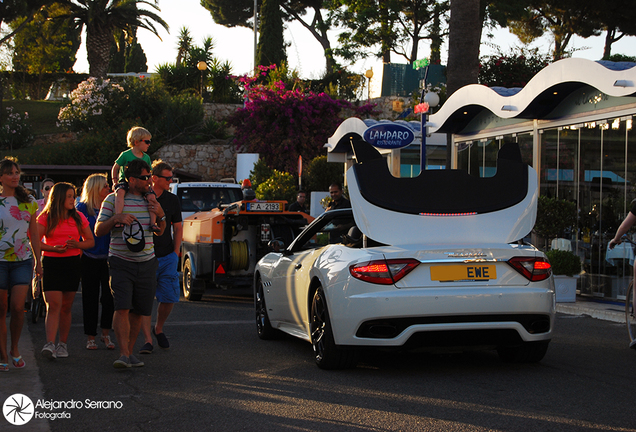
{"type": "Point", "coordinates": [382, 331]}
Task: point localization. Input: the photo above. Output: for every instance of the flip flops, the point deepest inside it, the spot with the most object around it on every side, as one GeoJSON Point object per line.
{"type": "Point", "coordinates": [18, 362]}
{"type": "Point", "coordinates": [4, 367]}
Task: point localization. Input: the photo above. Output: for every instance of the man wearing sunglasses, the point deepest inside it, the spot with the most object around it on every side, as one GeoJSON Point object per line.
{"type": "Point", "coordinates": [131, 258]}
{"type": "Point", "coordinates": [45, 188]}
{"type": "Point", "coordinates": [167, 249]}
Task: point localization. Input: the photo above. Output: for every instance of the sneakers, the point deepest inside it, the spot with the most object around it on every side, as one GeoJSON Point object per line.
{"type": "Point", "coordinates": [162, 340]}
{"type": "Point", "coordinates": [146, 349]}
{"type": "Point", "coordinates": [49, 351]}
{"type": "Point", "coordinates": [127, 362]}
{"type": "Point", "coordinates": [122, 363]}
{"type": "Point", "coordinates": [61, 350]}
{"type": "Point", "coordinates": [134, 361]}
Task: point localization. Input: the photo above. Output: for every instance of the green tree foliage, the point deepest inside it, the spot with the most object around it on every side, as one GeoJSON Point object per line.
{"type": "Point", "coordinates": [389, 26]}
{"type": "Point", "coordinates": [514, 69]}
{"type": "Point", "coordinates": [529, 20]}
{"type": "Point", "coordinates": [185, 76]}
{"type": "Point", "coordinates": [11, 10]}
{"type": "Point", "coordinates": [271, 44]}
{"type": "Point", "coordinates": [320, 174]}
{"type": "Point", "coordinates": [554, 216]}
{"type": "Point", "coordinates": [127, 55]}
{"type": "Point", "coordinates": [102, 17]}
{"type": "Point", "coordinates": [44, 45]}
{"type": "Point", "coordinates": [232, 13]}
{"type": "Point", "coordinates": [619, 19]}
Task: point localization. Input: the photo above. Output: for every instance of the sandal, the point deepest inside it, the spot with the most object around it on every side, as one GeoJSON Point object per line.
{"type": "Point", "coordinates": [4, 367]}
{"type": "Point", "coordinates": [155, 229]}
{"type": "Point", "coordinates": [18, 362]}
{"type": "Point", "coordinates": [91, 345]}
{"type": "Point", "coordinates": [109, 344]}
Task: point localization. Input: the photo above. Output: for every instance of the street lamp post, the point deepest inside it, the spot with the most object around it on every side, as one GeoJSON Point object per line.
{"type": "Point", "coordinates": [369, 75]}
{"type": "Point", "coordinates": [202, 66]}
{"type": "Point", "coordinates": [432, 99]}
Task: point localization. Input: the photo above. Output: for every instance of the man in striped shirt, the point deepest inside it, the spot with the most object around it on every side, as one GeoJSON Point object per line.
{"type": "Point", "coordinates": [132, 269]}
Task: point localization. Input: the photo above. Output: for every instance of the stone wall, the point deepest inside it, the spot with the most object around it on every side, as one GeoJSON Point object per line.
{"type": "Point", "coordinates": [212, 161]}
{"type": "Point", "coordinates": [219, 111]}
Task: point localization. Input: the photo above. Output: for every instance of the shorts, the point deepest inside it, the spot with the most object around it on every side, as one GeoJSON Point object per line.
{"type": "Point", "coordinates": [133, 284]}
{"type": "Point", "coordinates": [14, 273]}
{"type": "Point", "coordinates": [61, 273]}
{"type": "Point", "coordinates": [168, 289]}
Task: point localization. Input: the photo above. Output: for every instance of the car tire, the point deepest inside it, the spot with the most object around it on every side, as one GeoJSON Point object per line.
{"type": "Point", "coordinates": [326, 353]}
{"type": "Point", "coordinates": [264, 328]}
{"type": "Point", "coordinates": [527, 352]}
{"type": "Point", "coordinates": [192, 288]}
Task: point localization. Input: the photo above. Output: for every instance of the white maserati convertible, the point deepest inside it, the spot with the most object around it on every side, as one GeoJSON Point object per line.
{"type": "Point", "coordinates": [433, 262]}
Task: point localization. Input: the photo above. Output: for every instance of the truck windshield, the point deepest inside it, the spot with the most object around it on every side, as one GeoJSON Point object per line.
{"type": "Point", "coordinates": [196, 199]}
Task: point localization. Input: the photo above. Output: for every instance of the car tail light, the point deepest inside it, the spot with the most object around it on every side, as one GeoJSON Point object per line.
{"type": "Point", "coordinates": [534, 269]}
{"type": "Point", "coordinates": [383, 272]}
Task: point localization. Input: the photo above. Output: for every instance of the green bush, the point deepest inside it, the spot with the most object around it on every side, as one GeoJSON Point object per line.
{"type": "Point", "coordinates": [564, 262]}
{"type": "Point", "coordinates": [321, 174]}
{"type": "Point", "coordinates": [554, 216]}
{"type": "Point", "coordinates": [280, 186]}
{"type": "Point", "coordinates": [16, 130]}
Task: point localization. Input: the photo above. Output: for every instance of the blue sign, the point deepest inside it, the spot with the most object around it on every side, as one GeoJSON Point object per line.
{"type": "Point", "coordinates": [389, 136]}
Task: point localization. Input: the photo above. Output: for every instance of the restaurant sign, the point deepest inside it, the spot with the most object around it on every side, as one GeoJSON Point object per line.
{"type": "Point", "coordinates": [389, 136]}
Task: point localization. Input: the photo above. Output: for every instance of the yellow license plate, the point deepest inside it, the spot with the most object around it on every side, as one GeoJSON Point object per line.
{"type": "Point", "coordinates": [460, 272]}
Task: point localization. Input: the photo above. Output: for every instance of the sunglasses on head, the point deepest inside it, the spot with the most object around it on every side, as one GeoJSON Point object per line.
{"type": "Point", "coordinates": [143, 177]}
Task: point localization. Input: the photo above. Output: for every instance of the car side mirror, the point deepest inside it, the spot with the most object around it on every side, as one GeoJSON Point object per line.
{"type": "Point", "coordinates": [276, 245]}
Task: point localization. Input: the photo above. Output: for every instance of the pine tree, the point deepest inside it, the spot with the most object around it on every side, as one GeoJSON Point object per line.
{"type": "Point", "coordinates": [271, 45]}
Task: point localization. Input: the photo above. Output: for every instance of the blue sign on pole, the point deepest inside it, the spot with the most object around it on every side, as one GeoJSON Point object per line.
{"type": "Point", "coordinates": [389, 136]}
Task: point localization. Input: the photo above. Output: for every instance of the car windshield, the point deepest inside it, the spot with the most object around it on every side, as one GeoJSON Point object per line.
{"type": "Point", "coordinates": [195, 199]}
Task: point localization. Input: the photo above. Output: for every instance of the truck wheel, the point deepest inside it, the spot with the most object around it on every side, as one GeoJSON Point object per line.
{"type": "Point", "coordinates": [192, 288]}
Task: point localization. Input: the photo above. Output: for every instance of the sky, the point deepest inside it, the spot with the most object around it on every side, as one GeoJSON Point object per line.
{"type": "Point", "coordinates": [305, 54]}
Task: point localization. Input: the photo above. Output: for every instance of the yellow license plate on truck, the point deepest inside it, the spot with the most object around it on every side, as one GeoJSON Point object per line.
{"type": "Point", "coordinates": [460, 272]}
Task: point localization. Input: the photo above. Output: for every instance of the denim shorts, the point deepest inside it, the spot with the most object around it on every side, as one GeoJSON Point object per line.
{"type": "Point", "coordinates": [168, 288]}
{"type": "Point", "coordinates": [13, 273]}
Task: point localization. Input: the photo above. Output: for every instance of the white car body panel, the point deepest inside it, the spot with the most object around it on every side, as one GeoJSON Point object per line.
{"type": "Point", "coordinates": [418, 305]}
{"type": "Point", "coordinates": [504, 226]}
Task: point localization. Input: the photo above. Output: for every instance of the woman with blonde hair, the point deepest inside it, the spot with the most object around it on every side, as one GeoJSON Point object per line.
{"type": "Point", "coordinates": [19, 249]}
{"type": "Point", "coordinates": [66, 232]}
{"type": "Point", "coordinates": [95, 266]}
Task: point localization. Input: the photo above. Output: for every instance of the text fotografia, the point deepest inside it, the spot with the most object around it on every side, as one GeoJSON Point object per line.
{"type": "Point", "coordinates": [47, 408]}
{"type": "Point", "coordinates": [77, 404]}
{"type": "Point", "coordinates": [19, 409]}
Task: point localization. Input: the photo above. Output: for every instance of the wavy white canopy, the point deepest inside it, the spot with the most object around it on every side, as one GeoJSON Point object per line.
{"type": "Point", "coordinates": [613, 79]}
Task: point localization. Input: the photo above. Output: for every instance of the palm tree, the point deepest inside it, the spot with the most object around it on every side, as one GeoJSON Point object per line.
{"type": "Point", "coordinates": [184, 44]}
{"type": "Point", "coordinates": [102, 17]}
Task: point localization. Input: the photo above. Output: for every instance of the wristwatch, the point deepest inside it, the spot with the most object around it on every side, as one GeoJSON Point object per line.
{"type": "Point", "coordinates": [162, 218]}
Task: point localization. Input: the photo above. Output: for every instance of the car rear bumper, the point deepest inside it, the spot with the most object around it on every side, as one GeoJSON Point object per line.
{"type": "Point", "coordinates": [469, 316]}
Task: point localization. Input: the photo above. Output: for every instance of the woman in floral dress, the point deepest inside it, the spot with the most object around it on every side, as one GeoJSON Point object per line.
{"type": "Point", "coordinates": [17, 253]}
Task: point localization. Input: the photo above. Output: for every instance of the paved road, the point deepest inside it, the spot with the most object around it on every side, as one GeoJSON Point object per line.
{"type": "Point", "coordinates": [218, 376]}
